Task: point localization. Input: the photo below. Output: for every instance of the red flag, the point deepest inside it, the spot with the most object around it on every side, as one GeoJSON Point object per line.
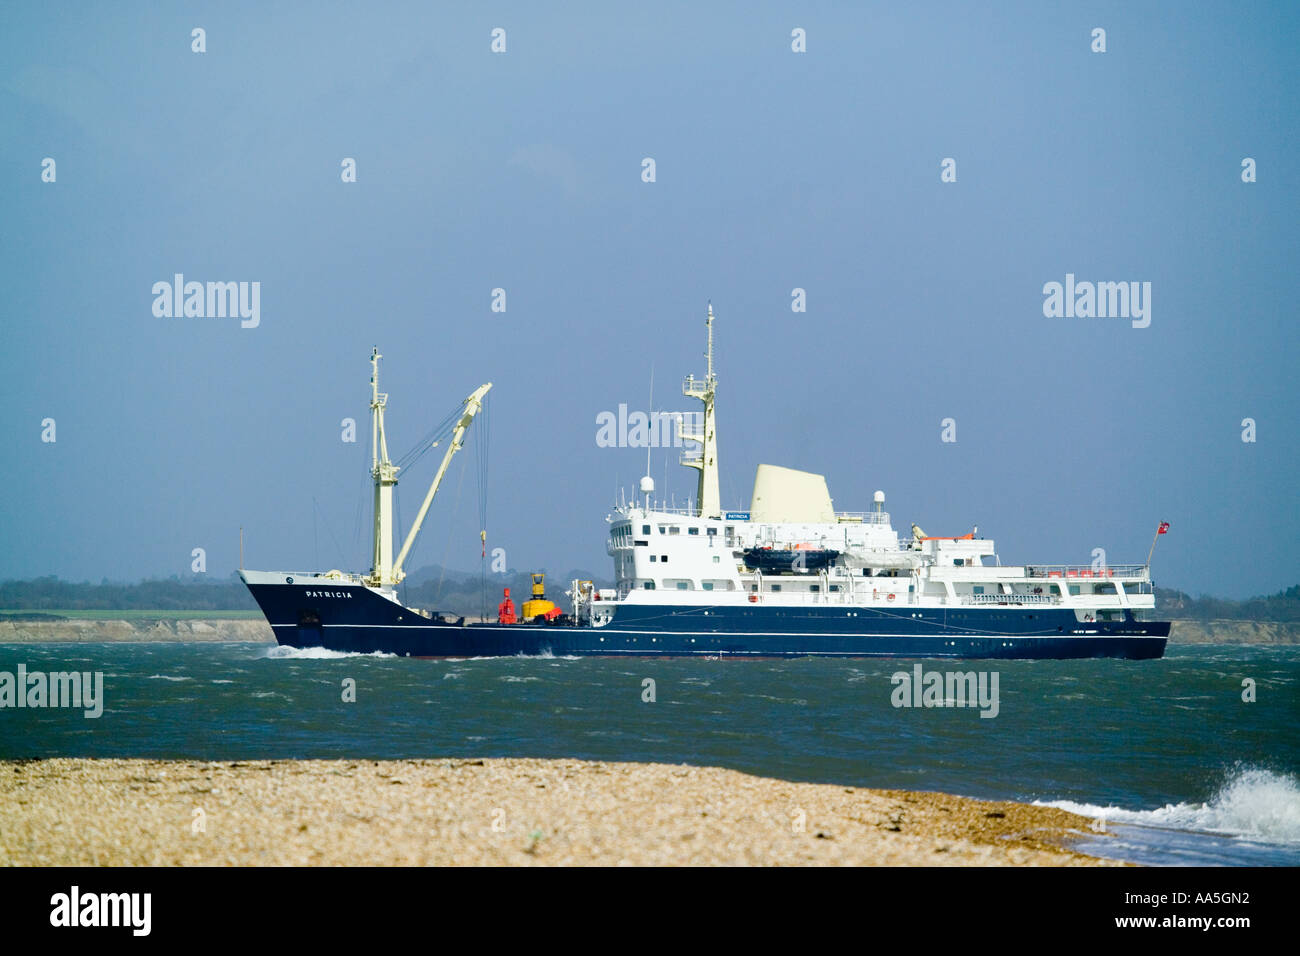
{"type": "Point", "coordinates": [1164, 528]}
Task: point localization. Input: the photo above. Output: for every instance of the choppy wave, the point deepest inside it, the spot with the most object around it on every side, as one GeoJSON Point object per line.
{"type": "Point", "coordinates": [166, 677]}
{"type": "Point", "coordinates": [1254, 803]}
{"type": "Point", "coordinates": [282, 652]}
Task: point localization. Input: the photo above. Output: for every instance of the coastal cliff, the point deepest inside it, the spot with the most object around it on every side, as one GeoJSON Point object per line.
{"type": "Point", "coordinates": [17, 630]}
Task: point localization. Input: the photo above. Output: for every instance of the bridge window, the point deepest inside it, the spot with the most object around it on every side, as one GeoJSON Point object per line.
{"type": "Point", "coordinates": [707, 585]}
{"type": "Point", "coordinates": [649, 585]}
{"type": "Point", "coordinates": [693, 530]}
{"type": "Point", "coordinates": [645, 529]}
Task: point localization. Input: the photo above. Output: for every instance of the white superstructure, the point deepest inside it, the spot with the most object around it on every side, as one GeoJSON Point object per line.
{"type": "Point", "coordinates": [792, 549]}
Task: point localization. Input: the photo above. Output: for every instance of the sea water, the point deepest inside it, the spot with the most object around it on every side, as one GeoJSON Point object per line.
{"type": "Point", "coordinates": [1191, 759]}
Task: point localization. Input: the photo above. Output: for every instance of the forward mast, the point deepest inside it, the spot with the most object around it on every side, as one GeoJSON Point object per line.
{"type": "Point", "coordinates": [384, 571]}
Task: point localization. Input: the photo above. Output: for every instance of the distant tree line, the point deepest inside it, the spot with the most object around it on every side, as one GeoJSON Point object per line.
{"type": "Point", "coordinates": [460, 592]}
{"type": "Point", "coordinates": [170, 594]}
{"type": "Point", "coordinates": [1282, 606]}
{"type": "Point", "coordinates": [430, 588]}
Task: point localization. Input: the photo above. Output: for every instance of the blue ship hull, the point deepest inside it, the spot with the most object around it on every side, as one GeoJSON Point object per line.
{"type": "Point", "coordinates": [352, 618]}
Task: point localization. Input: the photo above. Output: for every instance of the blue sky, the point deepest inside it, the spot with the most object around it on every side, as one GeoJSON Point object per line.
{"type": "Point", "coordinates": [775, 170]}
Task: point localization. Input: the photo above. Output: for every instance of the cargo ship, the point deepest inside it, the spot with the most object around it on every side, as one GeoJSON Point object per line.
{"type": "Point", "coordinates": [788, 577]}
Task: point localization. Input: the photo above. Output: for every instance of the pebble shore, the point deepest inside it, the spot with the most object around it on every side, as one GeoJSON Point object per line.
{"type": "Point", "coordinates": [494, 812]}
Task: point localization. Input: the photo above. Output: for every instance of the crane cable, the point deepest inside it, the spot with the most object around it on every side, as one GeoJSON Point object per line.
{"type": "Point", "coordinates": [481, 450]}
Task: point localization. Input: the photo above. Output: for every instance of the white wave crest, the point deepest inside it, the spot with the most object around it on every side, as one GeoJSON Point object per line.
{"type": "Point", "coordinates": [282, 652]}
{"type": "Point", "coordinates": [1254, 803]}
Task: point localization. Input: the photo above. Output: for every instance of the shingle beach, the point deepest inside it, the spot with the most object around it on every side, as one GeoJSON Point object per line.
{"type": "Point", "coordinates": [494, 812]}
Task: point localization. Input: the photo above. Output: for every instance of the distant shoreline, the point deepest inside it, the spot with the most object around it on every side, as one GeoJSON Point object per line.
{"type": "Point", "coordinates": [155, 629]}
{"type": "Point", "coordinates": [134, 614]}
{"type": "Point", "coordinates": [29, 627]}
{"type": "Point", "coordinates": [497, 812]}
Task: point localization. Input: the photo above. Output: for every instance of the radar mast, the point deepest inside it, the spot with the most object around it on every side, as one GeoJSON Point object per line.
{"type": "Point", "coordinates": [708, 501]}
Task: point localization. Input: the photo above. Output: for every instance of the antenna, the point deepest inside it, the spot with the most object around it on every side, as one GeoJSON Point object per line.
{"type": "Point", "coordinates": [648, 483]}
{"type": "Point", "coordinates": [709, 353]}
{"type": "Point", "coordinates": [651, 413]}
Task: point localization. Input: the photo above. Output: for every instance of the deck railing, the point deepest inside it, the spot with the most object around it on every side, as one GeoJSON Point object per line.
{"type": "Point", "coordinates": [863, 517]}
{"type": "Point", "coordinates": [693, 387]}
{"type": "Point", "coordinates": [1086, 571]}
